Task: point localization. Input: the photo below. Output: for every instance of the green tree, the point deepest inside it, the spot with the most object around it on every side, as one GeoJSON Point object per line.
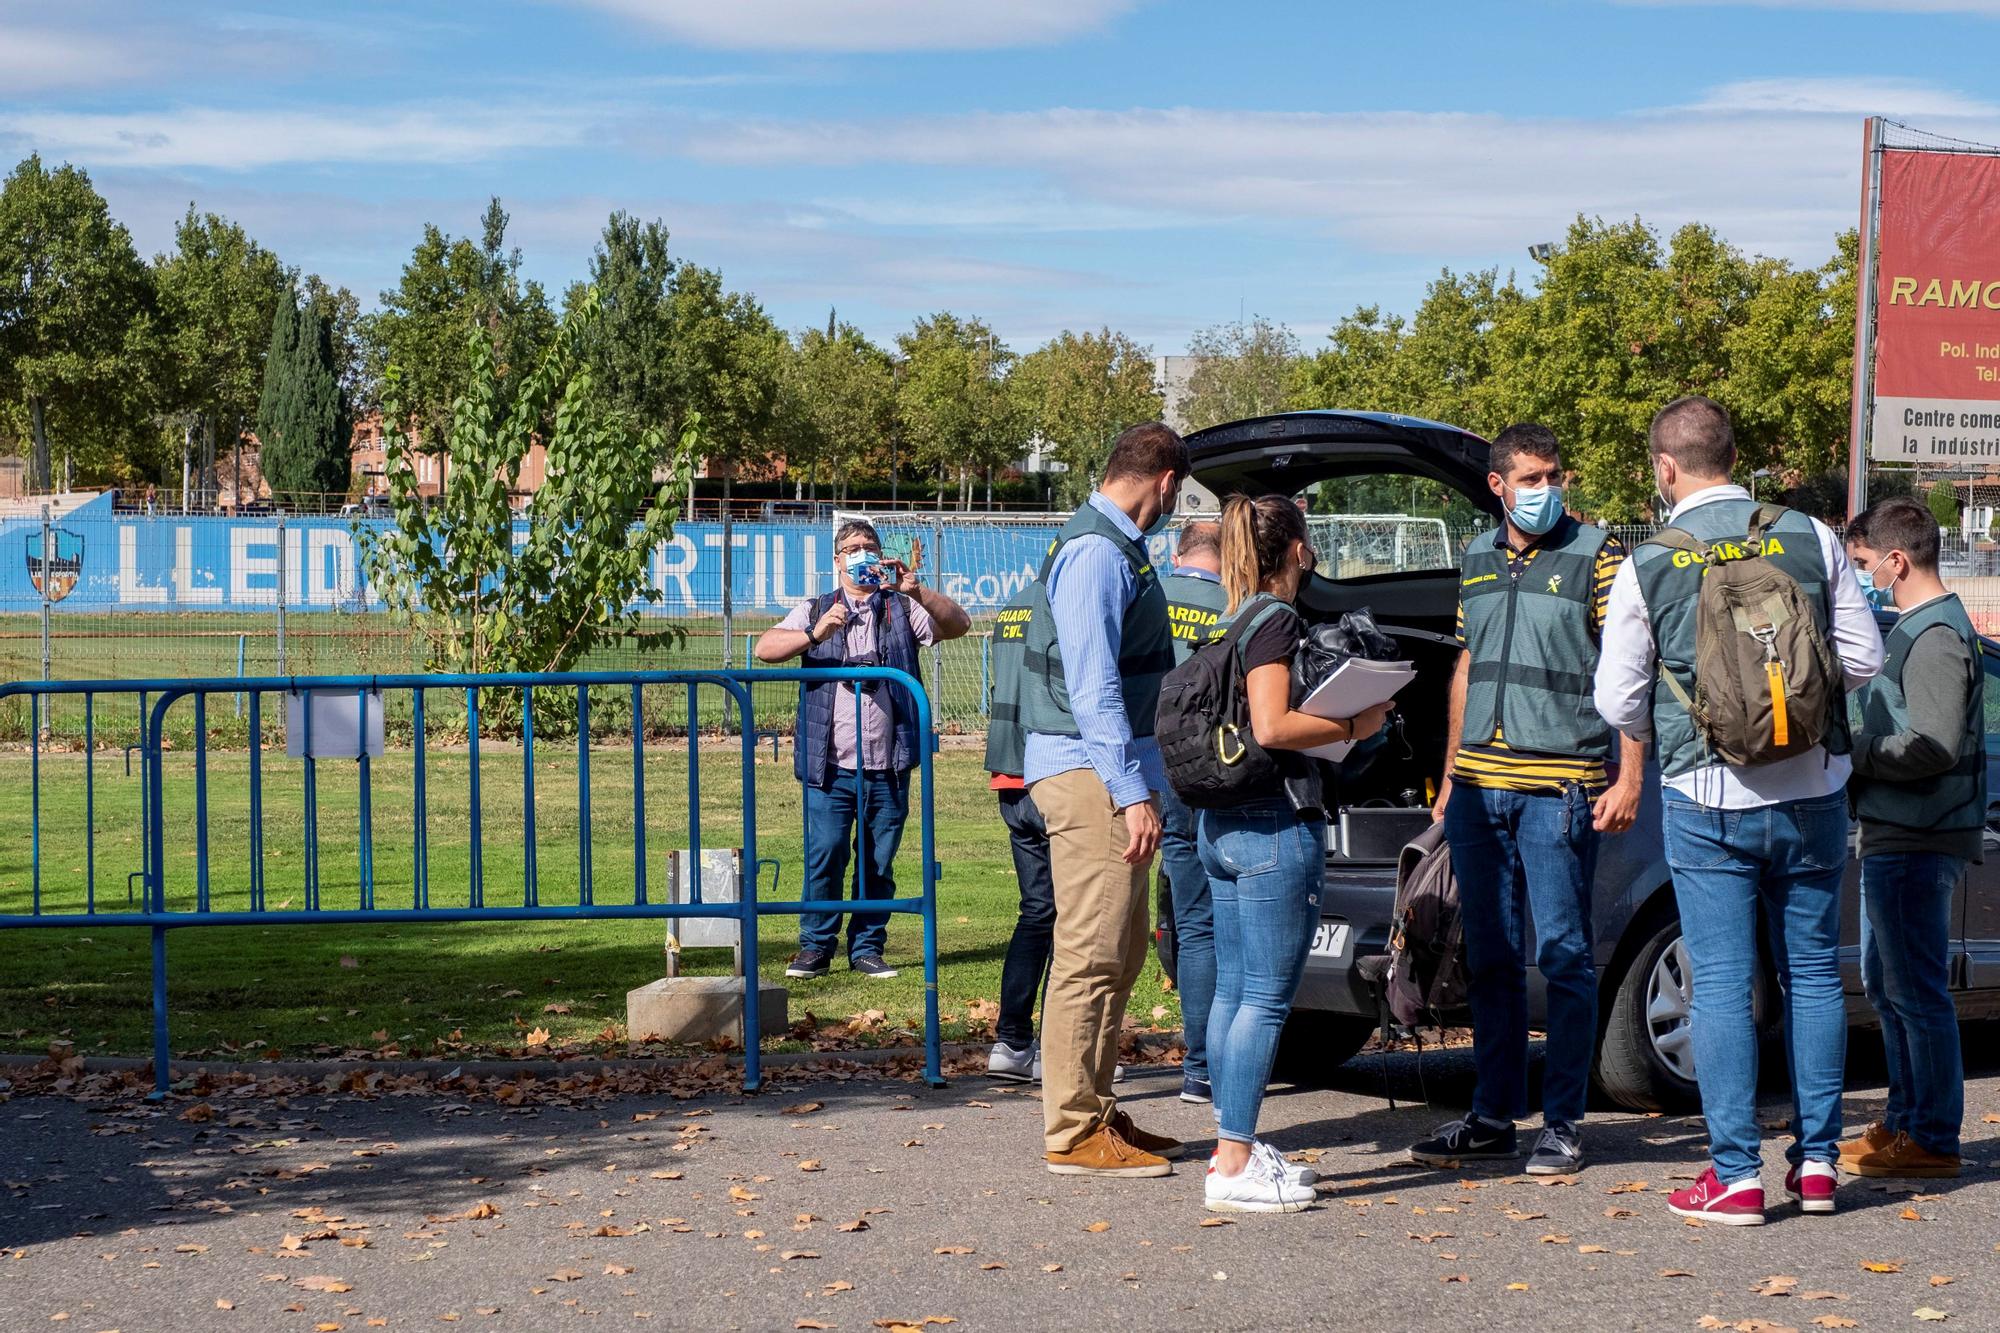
{"type": "Point", "coordinates": [726, 365]}
{"type": "Point", "coordinates": [76, 320]}
{"type": "Point", "coordinates": [631, 347]}
{"type": "Point", "coordinates": [452, 567]}
{"type": "Point", "coordinates": [1791, 362]}
{"type": "Point", "coordinates": [1078, 390]}
{"type": "Point", "coordinates": [1241, 370]}
{"type": "Point", "coordinates": [447, 286]}
{"type": "Point", "coordinates": [1363, 368]}
{"type": "Point", "coordinates": [841, 406]}
{"type": "Point", "coordinates": [219, 294]}
{"type": "Point", "coordinates": [342, 313]}
{"type": "Point", "coordinates": [302, 418]}
{"type": "Point", "coordinates": [958, 418]}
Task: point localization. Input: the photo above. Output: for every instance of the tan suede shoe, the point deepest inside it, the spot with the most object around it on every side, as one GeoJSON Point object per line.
{"type": "Point", "coordinates": [1104, 1153]}
{"type": "Point", "coordinates": [1905, 1159]}
{"type": "Point", "coordinates": [1157, 1144]}
{"type": "Point", "coordinates": [1873, 1139]}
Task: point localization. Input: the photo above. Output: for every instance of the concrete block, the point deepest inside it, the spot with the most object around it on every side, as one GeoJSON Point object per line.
{"type": "Point", "coordinates": [700, 1009]}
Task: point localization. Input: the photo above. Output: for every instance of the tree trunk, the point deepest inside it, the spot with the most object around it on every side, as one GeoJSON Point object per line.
{"type": "Point", "coordinates": [38, 420]}
{"type": "Point", "coordinates": [989, 485]}
{"type": "Point", "coordinates": [236, 467]}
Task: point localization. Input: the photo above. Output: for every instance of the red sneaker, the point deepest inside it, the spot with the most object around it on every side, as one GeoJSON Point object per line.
{"type": "Point", "coordinates": [1738, 1205]}
{"type": "Point", "coordinates": [1812, 1184]}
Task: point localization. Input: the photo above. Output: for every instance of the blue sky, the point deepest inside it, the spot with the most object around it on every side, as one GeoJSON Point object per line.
{"type": "Point", "coordinates": [1045, 164]}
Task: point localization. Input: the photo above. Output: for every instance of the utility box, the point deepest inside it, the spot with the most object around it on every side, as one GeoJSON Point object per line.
{"type": "Point", "coordinates": [697, 1010]}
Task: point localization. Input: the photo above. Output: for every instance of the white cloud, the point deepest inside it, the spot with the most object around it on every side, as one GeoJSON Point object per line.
{"type": "Point", "coordinates": [1845, 96]}
{"type": "Point", "coordinates": [1773, 170]}
{"type": "Point", "coordinates": [1985, 8]}
{"type": "Point", "coordinates": [869, 25]}
{"type": "Point", "coordinates": [39, 59]}
{"type": "Point", "coordinates": [252, 138]}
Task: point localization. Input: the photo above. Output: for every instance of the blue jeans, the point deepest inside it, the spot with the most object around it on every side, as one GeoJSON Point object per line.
{"type": "Point", "coordinates": [884, 803]}
{"type": "Point", "coordinates": [1516, 856]}
{"type": "Point", "coordinates": [1906, 900]}
{"type": "Point", "coordinates": [1027, 965]}
{"type": "Point", "coordinates": [1786, 860]}
{"type": "Point", "coordinates": [1264, 874]}
{"type": "Point", "coordinates": [1194, 927]}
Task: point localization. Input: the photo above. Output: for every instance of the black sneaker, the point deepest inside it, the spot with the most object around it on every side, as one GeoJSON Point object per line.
{"type": "Point", "coordinates": [1196, 1090]}
{"type": "Point", "coordinates": [1469, 1140]}
{"type": "Point", "coordinates": [870, 965]}
{"type": "Point", "coordinates": [808, 963]}
{"type": "Point", "coordinates": [1558, 1151]}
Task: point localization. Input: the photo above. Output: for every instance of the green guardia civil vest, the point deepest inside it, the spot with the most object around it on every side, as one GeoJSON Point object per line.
{"type": "Point", "coordinates": [1006, 739]}
{"type": "Point", "coordinates": [1195, 607]}
{"type": "Point", "coordinates": [1533, 657]}
{"type": "Point", "coordinates": [1145, 647]}
{"type": "Point", "coordinates": [1669, 583]}
{"type": "Point", "coordinates": [1956, 798]}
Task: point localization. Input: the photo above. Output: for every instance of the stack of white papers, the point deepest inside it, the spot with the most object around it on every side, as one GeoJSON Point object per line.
{"type": "Point", "coordinates": [1356, 685]}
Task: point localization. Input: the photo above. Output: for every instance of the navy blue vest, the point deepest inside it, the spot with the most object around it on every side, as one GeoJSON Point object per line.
{"type": "Point", "coordinates": [895, 646]}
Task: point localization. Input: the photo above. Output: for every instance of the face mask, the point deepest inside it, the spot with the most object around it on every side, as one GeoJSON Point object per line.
{"type": "Point", "coordinates": [1536, 509]}
{"type": "Point", "coordinates": [865, 568]}
{"type": "Point", "coordinates": [1159, 525]}
{"type": "Point", "coordinates": [1882, 599]}
{"type": "Point", "coordinates": [1666, 501]}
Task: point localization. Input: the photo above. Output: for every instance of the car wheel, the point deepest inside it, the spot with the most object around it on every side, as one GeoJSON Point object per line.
{"type": "Point", "coordinates": [1314, 1044]}
{"type": "Point", "coordinates": [1646, 1059]}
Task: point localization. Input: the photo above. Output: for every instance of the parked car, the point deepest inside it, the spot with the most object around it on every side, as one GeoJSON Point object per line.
{"type": "Point", "coordinates": [1645, 1058]}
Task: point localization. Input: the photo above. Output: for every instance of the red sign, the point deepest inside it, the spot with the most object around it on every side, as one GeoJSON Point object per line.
{"type": "Point", "coordinates": [1937, 310]}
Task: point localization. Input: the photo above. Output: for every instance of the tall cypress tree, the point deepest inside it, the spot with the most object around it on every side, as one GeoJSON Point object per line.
{"type": "Point", "coordinates": [303, 417]}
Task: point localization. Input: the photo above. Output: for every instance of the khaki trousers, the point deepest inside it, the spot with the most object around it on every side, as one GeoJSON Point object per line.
{"type": "Point", "coordinates": [1100, 948]}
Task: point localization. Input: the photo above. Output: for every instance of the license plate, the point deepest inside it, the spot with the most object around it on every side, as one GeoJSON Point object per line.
{"type": "Point", "coordinates": [1330, 940]}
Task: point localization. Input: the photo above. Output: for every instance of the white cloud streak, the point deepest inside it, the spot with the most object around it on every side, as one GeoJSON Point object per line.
{"type": "Point", "coordinates": [868, 25]}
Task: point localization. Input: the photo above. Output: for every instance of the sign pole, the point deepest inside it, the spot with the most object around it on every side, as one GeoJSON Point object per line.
{"type": "Point", "coordinates": [48, 553]}
{"type": "Point", "coordinates": [1864, 322]}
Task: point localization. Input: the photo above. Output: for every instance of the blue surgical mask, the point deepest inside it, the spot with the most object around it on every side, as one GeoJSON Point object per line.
{"type": "Point", "coordinates": [865, 568]}
{"type": "Point", "coordinates": [1882, 599]}
{"type": "Point", "coordinates": [1536, 508]}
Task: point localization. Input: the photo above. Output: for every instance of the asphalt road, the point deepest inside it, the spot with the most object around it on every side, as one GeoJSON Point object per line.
{"type": "Point", "coordinates": [328, 1212]}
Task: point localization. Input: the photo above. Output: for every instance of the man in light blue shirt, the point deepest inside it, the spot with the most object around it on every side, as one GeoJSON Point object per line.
{"type": "Point", "coordinates": [1098, 647]}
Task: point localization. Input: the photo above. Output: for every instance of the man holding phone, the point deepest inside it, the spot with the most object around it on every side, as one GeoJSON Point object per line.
{"type": "Point", "coordinates": [854, 755]}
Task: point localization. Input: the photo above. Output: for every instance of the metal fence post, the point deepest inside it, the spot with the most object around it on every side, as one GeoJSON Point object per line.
{"type": "Point", "coordinates": [728, 577]}
{"type": "Point", "coordinates": [283, 592]}
{"type": "Point", "coordinates": [48, 543]}
{"type": "Point", "coordinates": [937, 581]}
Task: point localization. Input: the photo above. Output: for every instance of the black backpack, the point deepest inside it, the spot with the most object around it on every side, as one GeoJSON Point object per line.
{"type": "Point", "coordinates": [1202, 724]}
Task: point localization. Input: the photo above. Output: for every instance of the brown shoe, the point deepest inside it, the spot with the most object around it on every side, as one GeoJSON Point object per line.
{"type": "Point", "coordinates": [1104, 1153]}
{"type": "Point", "coordinates": [1905, 1159]}
{"type": "Point", "coordinates": [1873, 1139]}
{"type": "Point", "coordinates": [1157, 1144]}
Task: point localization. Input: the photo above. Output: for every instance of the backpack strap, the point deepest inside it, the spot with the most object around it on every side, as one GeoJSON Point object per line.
{"type": "Point", "coordinates": [1762, 519]}
{"type": "Point", "coordinates": [1678, 539]}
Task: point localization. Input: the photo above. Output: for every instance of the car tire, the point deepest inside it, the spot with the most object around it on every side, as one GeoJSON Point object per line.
{"type": "Point", "coordinates": [1314, 1044]}
{"type": "Point", "coordinates": [1645, 1060]}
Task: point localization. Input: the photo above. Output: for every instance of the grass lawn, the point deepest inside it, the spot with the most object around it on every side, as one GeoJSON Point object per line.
{"type": "Point", "coordinates": [480, 986]}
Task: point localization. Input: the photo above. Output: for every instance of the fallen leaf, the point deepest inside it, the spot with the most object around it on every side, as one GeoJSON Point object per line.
{"type": "Point", "coordinates": [1517, 1286]}
{"type": "Point", "coordinates": [1098, 1226]}
{"type": "Point", "coordinates": [222, 1304]}
{"type": "Point", "coordinates": [1619, 1214]}
{"type": "Point", "coordinates": [1775, 1286]}
{"type": "Point", "coordinates": [1675, 1272]}
{"type": "Point", "coordinates": [538, 1037]}
{"type": "Point", "coordinates": [1455, 1277]}
{"type": "Point", "coordinates": [803, 1108]}
{"type": "Point", "coordinates": [1592, 1249]}
{"type": "Point", "coordinates": [617, 1270]}
{"type": "Point", "coordinates": [1629, 1187]}
{"type": "Point", "coordinates": [1911, 1215]}
{"type": "Point", "coordinates": [1940, 1280]}
{"type": "Point", "coordinates": [837, 1286]}
{"type": "Point", "coordinates": [811, 1164]}
{"type": "Point", "coordinates": [1822, 1295]}
{"type": "Point", "coordinates": [1217, 1222]}
{"type": "Point", "coordinates": [557, 1008]}
{"type": "Point", "coordinates": [858, 1224]}
{"type": "Point", "coordinates": [952, 1249]}
{"type": "Point", "coordinates": [741, 1195]}
{"type": "Point", "coordinates": [1555, 1238]}
{"type": "Point", "coordinates": [1881, 1266]}
{"type": "Point", "coordinates": [349, 960]}
{"type": "Point", "coordinates": [480, 1211]}
{"type": "Point", "coordinates": [1836, 1321]}
{"type": "Point", "coordinates": [993, 1267]}
{"type": "Point", "coordinates": [789, 1255]}
{"type": "Point", "coordinates": [1517, 1215]}
{"type": "Point", "coordinates": [1052, 1268]}
{"type": "Point", "coordinates": [565, 1275]}
{"type": "Point", "coordinates": [190, 1249]}
{"type": "Point", "coordinates": [810, 1323]}
{"type": "Point", "coordinates": [1930, 1316]}
{"type": "Point", "coordinates": [322, 1283]}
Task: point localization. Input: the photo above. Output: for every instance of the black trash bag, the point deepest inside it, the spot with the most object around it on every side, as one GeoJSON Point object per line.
{"type": "Point", "coordinates": [1332, 642]}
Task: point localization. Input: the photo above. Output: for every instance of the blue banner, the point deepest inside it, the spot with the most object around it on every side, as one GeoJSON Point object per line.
{"type": "Point", "coordinates": [94, 560]}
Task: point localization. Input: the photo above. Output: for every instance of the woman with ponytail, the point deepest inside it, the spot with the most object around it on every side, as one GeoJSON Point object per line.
{"type": "Point", "coordinates": [1265, 859]}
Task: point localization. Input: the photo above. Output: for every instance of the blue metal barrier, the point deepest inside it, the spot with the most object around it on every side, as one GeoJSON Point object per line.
{"type": "Point", "coordinates": [593, 900]}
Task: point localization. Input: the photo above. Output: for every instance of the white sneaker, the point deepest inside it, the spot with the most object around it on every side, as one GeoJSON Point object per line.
{"type": "Point", "coordinates": [1258, 1188]}
{"type": "Point", "coordinates": [1296, 1172]}
{"type": "Point", "coordinates": [1013, 1063]}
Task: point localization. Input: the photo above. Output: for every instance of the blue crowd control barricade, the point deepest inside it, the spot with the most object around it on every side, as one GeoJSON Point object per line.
{"type": "Point", "coordinates": [338, 734]}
